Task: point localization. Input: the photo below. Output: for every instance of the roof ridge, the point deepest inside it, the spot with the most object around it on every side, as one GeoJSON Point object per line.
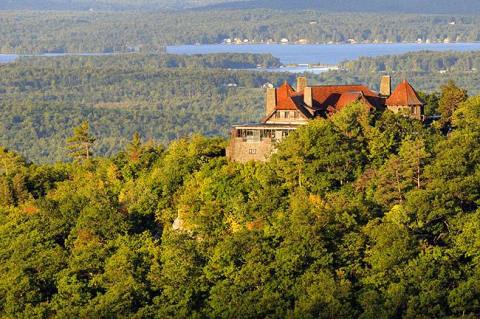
{"type": "Point", "coordinates": [330, 85]}
{"type": "Point", "coordinates": [404, 95]}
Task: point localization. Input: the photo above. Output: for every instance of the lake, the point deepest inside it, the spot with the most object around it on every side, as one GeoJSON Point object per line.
{"type": "Point", "coordinates": [6, 58]}
{"type": "Point", "coordinates": [330, 54]}
{"type": "Point", "coordinates": [321, 53]}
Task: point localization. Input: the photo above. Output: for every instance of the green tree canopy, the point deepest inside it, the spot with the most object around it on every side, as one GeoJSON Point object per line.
{"type": "Point", "coordinates": [80, 143]}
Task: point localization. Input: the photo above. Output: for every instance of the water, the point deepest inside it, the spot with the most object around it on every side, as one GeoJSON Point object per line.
{"type": "Point", "coordinates": [6, 58]}
{"type": "Point", "coordinates": [331, 54]}
{"type": "Point", "coordinates": [300, 69]}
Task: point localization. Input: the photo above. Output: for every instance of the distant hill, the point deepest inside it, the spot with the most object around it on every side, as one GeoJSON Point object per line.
{"type": "Point", "coordinates": [403, 6]}
{"type": "Point", "coordinates": [105, 4]}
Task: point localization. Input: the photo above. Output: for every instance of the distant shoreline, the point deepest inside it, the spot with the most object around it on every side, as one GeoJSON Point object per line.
{"type": "Point", "coordinates": [294, 57]}
{"type": "Point", "coordinates": [54, 54]}
{"type": "Point", "coordinates": [322, 54]}
{"type": "Point", "coordinates": [331, 43]}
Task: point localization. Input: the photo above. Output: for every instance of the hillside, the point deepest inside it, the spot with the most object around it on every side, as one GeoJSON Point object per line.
{"type": "Point", "coordinates": [425, 61]}
{"type": "Point", "coordinates": [353, 217]}
{"type": "Point", "coordinates": [37, 32]}
{"type": "Point", "coordinates": [398, 6]}
{"type": "Point", "coordinates": [115, 5]}
{"type": "Point", "coordinates": [163, 97]}
{"type": "Point", "coordinates": [427, 70]}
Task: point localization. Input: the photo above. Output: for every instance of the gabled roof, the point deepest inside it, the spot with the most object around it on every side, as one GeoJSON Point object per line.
{"type": "Point", "coordinates": [288, 100]}
{"type": "Point", "coordinates": [404, 95]}
{"type": "Point", "coordinates": [284, 97]}
{"type": "Point", "coordinates": [300, 106]}
{"type": "Point", "coordinates": [351, 97]}
{"type": "Point", "coordinates": [344, 99]}
{"type": "Point", "coordinates": [322, 92]}
{"type": "Point", "coordinates": [325, 99]}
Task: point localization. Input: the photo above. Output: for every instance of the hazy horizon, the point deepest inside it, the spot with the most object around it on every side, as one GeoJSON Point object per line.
{"type": "Point", "coordinates": [375, 6]}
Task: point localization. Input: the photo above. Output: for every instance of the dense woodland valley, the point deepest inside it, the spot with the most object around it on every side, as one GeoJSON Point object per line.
{"type": "Point", "coordinates": [165, 97]}
{"type": "Point", "coordinates": [42, 99]}
{"type": "Point", "coordinates": [40, 32]}
{"type": "Point", "coordinates": [357, 216]}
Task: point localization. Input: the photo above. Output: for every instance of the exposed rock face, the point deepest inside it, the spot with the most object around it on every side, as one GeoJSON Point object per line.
{"type": "Point", "coordinates": [178, 224]}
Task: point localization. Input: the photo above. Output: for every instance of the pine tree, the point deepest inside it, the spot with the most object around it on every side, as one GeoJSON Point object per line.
{"type": "Point", "coordinates": [450, 99]}
{"type": "Point", "coordinates": [135, 148]}
{"type": "Point", "coordinates": [80, 143]}
{"type": "Point", "coordinates": [402, 173]}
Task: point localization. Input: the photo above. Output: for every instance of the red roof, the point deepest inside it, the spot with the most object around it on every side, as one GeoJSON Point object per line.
{"type": "Point", "coordinates": [326, 98]}
{"type": "Point", "coordinates": [346, 99]}
{"type": "Point", "coordinates": [323, 92]}
{"type": "Point", "coordinates": [349, 98]}
{"type": "Point", "coordinates": [404, 95]}
{"type": "Point", "coordinates": [284, 97]}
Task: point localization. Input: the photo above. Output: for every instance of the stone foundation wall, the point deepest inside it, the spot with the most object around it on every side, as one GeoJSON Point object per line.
{"type": "Point", "coordinates": [244, 151]}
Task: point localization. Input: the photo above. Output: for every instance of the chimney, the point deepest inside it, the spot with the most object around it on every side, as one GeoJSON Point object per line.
{"type": "Point", "coordinates": [301, 83]}
{"type": "Point", "coordinates": [308, 97]}
{"type": "Point", "coordinates": [386, 86]}
{"type": "Point", "coordinates": [270, 101]}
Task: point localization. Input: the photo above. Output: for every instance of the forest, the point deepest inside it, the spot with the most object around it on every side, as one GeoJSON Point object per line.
{"type": "Point", "coordinates": [362, 215]}
{"type": "Point", "coordinates": [232, 61]}
{"type": "Point", "coordinates": [410, 6]}
{"type": "Point", "coordinates": [426, 61]}
{"type": "Point", "coordinates": [30, 32]}
{"type": "Point", "coordinates": [106, 5]}
{"type": "Point", "coordinates": [165, 97]}
{"type": "Point", "coordinates": [117, 200]}
{"type": "Point", "coordinates": [378, 6]}
{"type": "Point", "coordinates": [427, 70]}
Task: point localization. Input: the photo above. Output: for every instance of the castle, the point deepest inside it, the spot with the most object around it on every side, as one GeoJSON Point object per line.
{"type": "Point", "coordinates": [287, 108]}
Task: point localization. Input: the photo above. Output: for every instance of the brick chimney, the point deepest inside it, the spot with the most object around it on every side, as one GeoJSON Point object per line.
{"type": "Point", "coordinates": [307, 96]}
{"type": "Point", "coordinates": [386, 86]}
{"type": "Point", "coordinates": [270, 101]}
{"type": "Point", "coordinates": [301, 83]}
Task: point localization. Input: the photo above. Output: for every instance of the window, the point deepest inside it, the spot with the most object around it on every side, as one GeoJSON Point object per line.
{"type": "Point", "coordinates": [247, 135]}
{"type": "Point", "coordinates": [296, 115]}
{"type": "Point", "coordinates": [252, 135]}
{"type": "Point", "coordinates": [252, 151]}
{"type": "Point", "coordinates": [286, 114]}
{"type": "Point", "coordinates": [277, 115]}
{"type": "Point", "coordinates": [266, 134]}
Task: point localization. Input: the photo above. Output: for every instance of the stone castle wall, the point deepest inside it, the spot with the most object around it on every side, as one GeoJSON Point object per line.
{"type": "Point", "coordinates": [243, 151]}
